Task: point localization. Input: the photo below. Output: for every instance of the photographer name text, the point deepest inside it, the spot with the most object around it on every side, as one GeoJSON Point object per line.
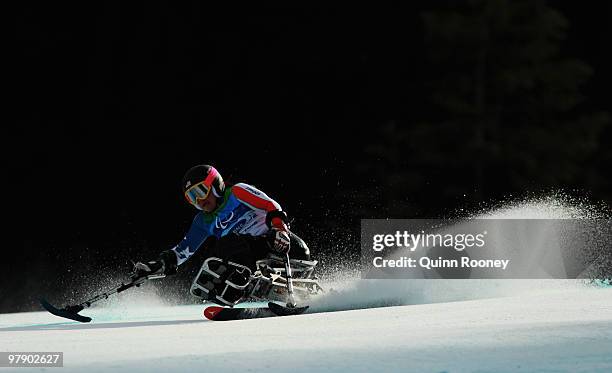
{"type": "Point", "coordinates": [430, 263]}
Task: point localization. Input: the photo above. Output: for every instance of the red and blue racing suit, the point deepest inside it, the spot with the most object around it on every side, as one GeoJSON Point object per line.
{"type": "Point", "coordinates": [244, 210]}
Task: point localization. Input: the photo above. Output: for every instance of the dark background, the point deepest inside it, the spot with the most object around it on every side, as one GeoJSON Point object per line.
{"type": "Point", "coordinates": [338, 112]}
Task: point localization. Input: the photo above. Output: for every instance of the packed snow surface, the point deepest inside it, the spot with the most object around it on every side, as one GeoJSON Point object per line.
{"type": "Point", "coordinates": [356, 326]}
{"type": "Point", "coordinates": [552, 326]}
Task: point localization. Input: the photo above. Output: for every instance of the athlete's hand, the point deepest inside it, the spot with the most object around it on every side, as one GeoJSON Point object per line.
{"type": "Point", "coordinates": [165, 264]}
{"type": "Point", "coordinates": [142, 269]}
{"type": "Point", "coordinates": [279, 241]}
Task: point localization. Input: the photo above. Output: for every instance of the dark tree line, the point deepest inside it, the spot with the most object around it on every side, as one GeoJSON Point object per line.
{"type": "Point", "coordinates": [503, 112]}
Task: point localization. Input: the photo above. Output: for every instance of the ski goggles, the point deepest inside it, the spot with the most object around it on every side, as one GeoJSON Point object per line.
{"type": "Point", "coordinates": [197, 192]}
{"type": "Point", "coordinates": [202, 189]}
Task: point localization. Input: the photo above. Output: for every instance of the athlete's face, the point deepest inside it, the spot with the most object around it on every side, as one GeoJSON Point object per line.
{"type": "Point", "coordinates": [209, 203]}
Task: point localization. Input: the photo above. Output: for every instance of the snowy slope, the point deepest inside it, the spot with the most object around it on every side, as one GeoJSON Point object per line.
{"type": "Point", "coordinates": [427, 326]}
{"type": "Point", "coordinates": [566, 328]}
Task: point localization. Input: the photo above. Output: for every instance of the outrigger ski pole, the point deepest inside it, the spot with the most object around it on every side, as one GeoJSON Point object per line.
{"type": "Point", "coordinates": [291, 308]}
{"type": "Point", "coordinates": [72, 312]}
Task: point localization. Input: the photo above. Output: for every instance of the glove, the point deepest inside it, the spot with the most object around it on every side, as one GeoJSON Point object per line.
{"type": "Point", "coordinates": [279, 241]}
{"type": "Point", "coordinates": [165, 264]}
{"type": "Point", "coordinates": [154, 267]}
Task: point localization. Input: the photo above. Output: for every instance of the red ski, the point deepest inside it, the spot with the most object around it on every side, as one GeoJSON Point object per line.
{"type": "Point", "coordinates": [218, 313]}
